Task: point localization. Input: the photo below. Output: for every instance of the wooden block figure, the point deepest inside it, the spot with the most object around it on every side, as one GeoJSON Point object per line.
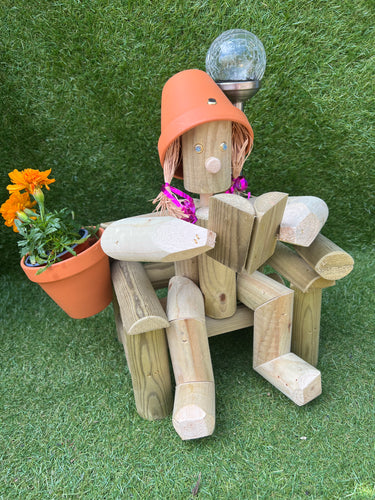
{"type": "Point", "coordinates": [218, 244]}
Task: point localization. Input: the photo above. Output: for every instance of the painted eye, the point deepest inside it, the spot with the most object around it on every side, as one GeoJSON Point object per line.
{"type": "Point", "coordinates": [198, 148]}
{"type": "Point", "coordinates": [223, 146]}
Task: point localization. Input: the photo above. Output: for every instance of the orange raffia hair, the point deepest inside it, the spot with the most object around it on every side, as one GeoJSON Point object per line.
{"type": "Point", "coordinates": [241, 138]}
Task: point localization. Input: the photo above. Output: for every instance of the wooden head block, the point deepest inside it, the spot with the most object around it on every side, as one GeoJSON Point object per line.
{"type": "Point", "coordinates": [206, 156]}
{"type": "Point", "coordinates": [232, 216]}
{"type": "Point", "coordinates": [269, 210]}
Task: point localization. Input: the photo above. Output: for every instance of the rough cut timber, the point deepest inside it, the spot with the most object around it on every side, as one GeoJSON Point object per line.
{"type": "Point", "coordinates": [292, 267]}
{"type": "Point", "coordinates": [188, 268]}
{"type": "Point", "coordinates": [155, 239]}
{"type": "Point", "coordinates": [269, 209]}
{"type": "Point", "coordinates": [199, 173]}
{"type": "Point", "coordinates": [328, 259]}
{"type": "Point", "coordinates": [194, 406]}
{"type": "Point", "coordinates": [273, 305]}
{"type": "Point", "coordinates": [148, 360]}
{"type": "Point", "coordinates": [159, 273]}
{"type": "Point", "coordinates": [140, 308]}
{"type": "Point", "coordinates": [217, 282]}
{"type": "Point", "coordinates": [303, 218]}
{"type": "Point", "coordinates": [306, 324]}
{"type": "Point", "coordinates": [231, 217]}
{"type": "Point", "coordinates": [148, 363]}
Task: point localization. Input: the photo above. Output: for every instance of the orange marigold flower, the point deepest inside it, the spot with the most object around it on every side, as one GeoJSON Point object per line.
{"type": "Point", "coordinates": [29, 179]}
{"type": "Point", "coordinates": [16, 202]}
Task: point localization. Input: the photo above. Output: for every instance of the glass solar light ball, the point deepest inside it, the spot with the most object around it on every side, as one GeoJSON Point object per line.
{"type": "Point", "coordinates": [236, 55]}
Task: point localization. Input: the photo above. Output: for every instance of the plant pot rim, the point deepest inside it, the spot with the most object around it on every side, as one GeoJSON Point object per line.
{"type": "Point", "coordinates": [74, 265]}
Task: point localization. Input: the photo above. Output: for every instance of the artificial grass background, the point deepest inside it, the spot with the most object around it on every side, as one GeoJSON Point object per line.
{"type": "Point", "coordinates": [69, 427]}
{"type": "Point", "coordinates": [80, 92]}
{"type": "Point", "coordinates": [81, 84]}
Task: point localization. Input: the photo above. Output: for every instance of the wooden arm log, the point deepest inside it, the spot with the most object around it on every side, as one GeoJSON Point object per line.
{"type": "Point", "coordinates": [231, 217]}
{"type": "Point", "coordinates": [273, 308]}
{"type": "Point", "coordinates": [328, 259]}
{"type": "Point", "coordinates": [292, 267]}
{"type": "Point", "coordinates": [155, 239]}
{"type": "Point", "coordinates": [303, 218]}
{"type": "Point", "coordinates": [194, 406]}
{"type": "Point", "coordinates": [140, 308]}
{"type": "Point", "coordinates": [269, 209]}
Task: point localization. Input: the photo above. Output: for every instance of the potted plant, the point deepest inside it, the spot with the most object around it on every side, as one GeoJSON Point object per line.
{"type": "Point", "coordinates": [63, 257]}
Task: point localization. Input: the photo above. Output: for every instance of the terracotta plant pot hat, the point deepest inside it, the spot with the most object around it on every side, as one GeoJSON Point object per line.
{"type": "Point", "coordinates": [191, 98]}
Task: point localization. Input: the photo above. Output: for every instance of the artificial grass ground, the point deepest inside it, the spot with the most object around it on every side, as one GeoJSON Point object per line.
{"type": "Point", "coordinates": [80, 87]}
{"type": "Point", "coordinates": [69, 428]}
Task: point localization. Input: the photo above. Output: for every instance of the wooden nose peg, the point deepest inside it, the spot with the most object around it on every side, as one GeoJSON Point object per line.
{"type": "Point", "coordinates": [213, 165]}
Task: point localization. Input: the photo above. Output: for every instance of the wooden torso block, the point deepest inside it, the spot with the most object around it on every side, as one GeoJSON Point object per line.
{"type": "Point", "coordinates": [269, 209]}
{"type": "Point", "coordinates": [231, 217]}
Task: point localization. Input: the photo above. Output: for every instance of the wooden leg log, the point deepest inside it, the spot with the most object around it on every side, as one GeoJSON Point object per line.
{"type": "Point", "coordinates": [194, 406]}
{"type": "Point", "coordinates": [306, 324]}
{"type": "Point", "coordinates": [140, 308]}
{"type": "Point", "coordinates": [148, 363]}
{"type": "Point", "coordinates": [273, 308]}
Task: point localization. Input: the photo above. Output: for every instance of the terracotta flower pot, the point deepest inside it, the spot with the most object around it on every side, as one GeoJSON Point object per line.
{"type": "Point", "coordinates": [191, 98]}
{"type": "Point", "coordinates": [80, 285]}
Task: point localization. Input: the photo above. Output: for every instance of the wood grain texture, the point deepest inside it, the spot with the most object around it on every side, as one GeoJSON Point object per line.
{"type": "Point", "coordinates": [148, 361]}
{"type": "Point", "coordinates": [295, 269]}
{"type": "Point", "coordinates": [159, 273]}
{"type": "Point", "coordinates": [306, 324]}
{"type": "Point", "coordinates": [231, 217]}
{"type": "Point", "coordinates": [191, 359]}
{"type": "Point", "coordinates": [188, 268]}
{"type": "Point", "coordinates": [269, 209]}
{"type": "Point", "coordinates": [242, 318]}
{"type": "Point", "coordinates": [197, 178]}
{"type": "Point", "coordinates": [303, 218]}
{"type": "Point", "coordinates": [328, 259]}
{"type": "Point", "coordinates": [217, 282]}
{"type": "Point", "coordinates": [188, 346]}
{"type": "Point", "coordinates": [140, 308]}
{"type": "Point", "coordinates": [155, 239]}
{"type": "Point", "coordinates": [194, 410]}
{"type": "Point", "coordinates": [256, 289]}
{"type": "Point", "coordinates": [273, 314]}
{"type": "Point", "coordinates": [295, 378]}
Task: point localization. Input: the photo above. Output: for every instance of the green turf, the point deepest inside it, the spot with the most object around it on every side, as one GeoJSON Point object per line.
{"type": "Point", "coordinates": [69, 428]}
{"type": "Point", "coordinates": [81, 82]}
{"type": "Point", "coordinates": [80, 87]}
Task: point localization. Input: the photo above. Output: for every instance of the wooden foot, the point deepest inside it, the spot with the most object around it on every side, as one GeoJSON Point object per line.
{"type": "Point", "coordinates": [194, 410]}
{"type": "Point", "coordinates": [273, 311]}
{"type": "Point", "coordinates": [294, 377]}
